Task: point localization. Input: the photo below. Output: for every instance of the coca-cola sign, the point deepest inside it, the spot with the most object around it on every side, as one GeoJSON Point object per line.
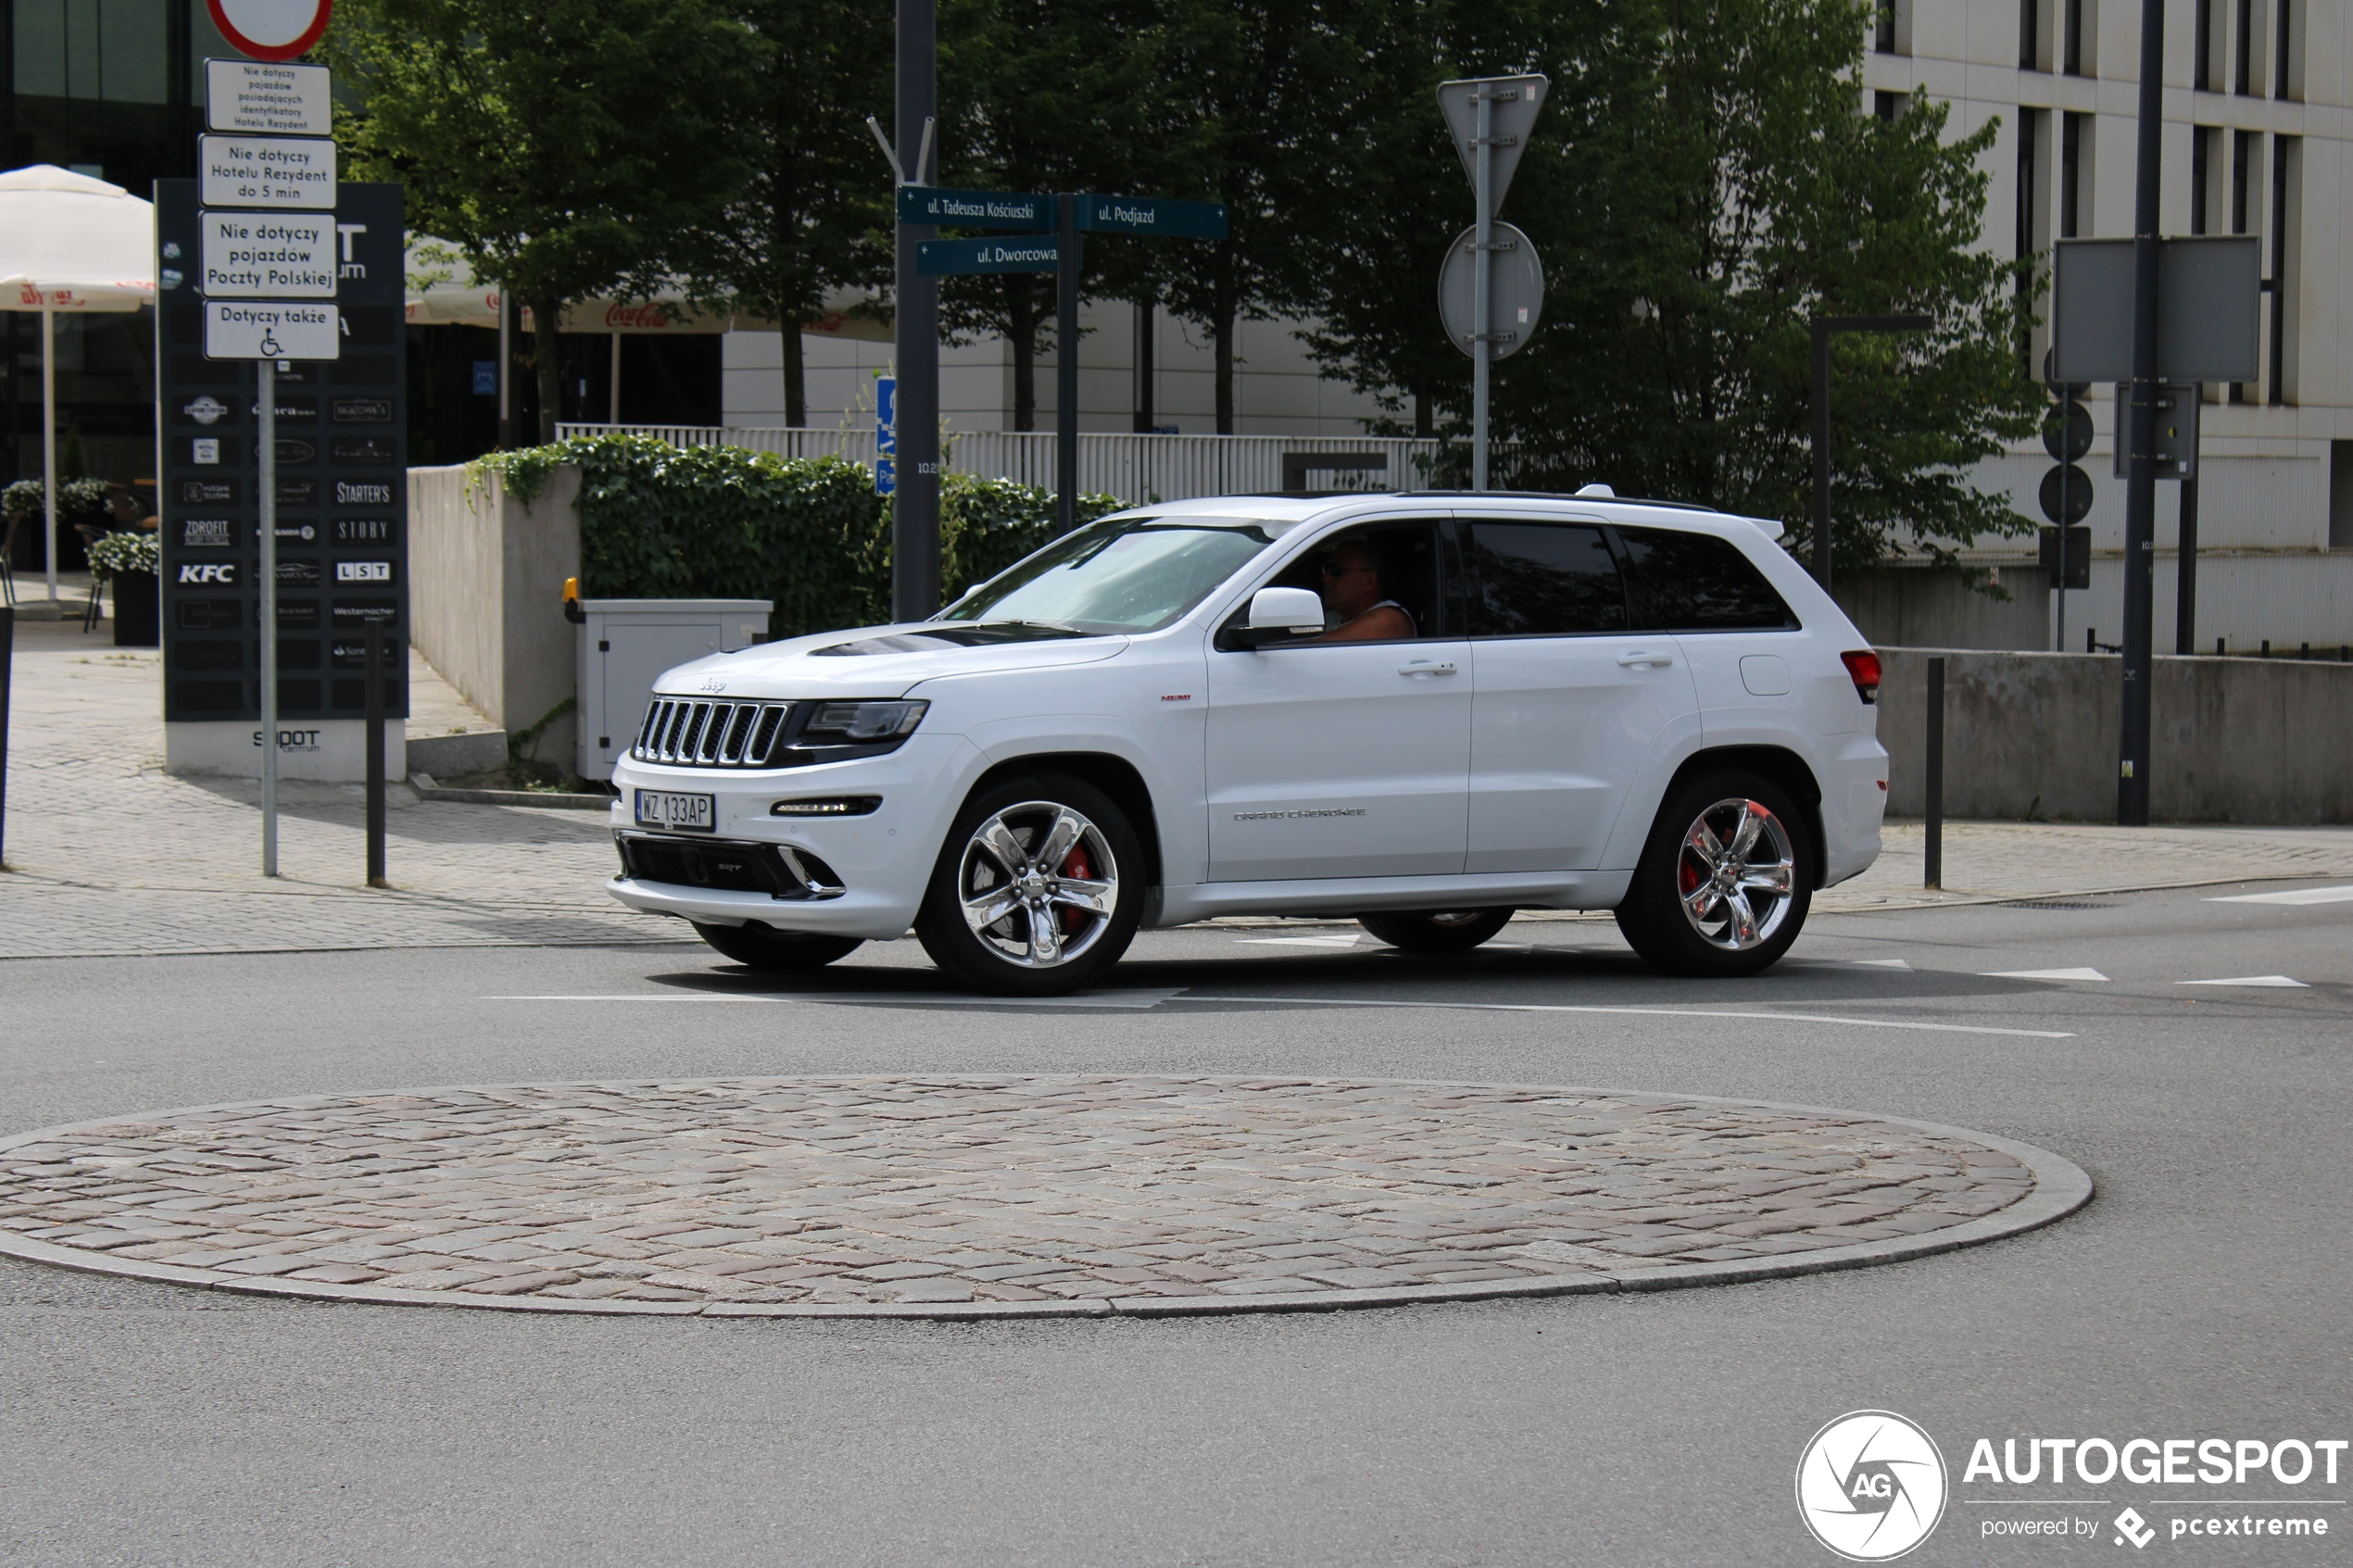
{"type": "Point", "coordinates": [636, 318]}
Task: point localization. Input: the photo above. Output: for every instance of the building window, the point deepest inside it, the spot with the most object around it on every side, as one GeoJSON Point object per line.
{"type": "Point", "coordinates": [2283, 52]}
{"type": "Point", "coordinates": [2287, 162]}
{"type": "Point", "coordinates": [1890, 105]}
{"type": "Point", "coordinates": [2242, 74]}
{"type": "Point", "coordinates": [2341, 495]}
{"type": "Point", "coordinates": [2202, 48]}
{"type": "Point", "coordinates": [1892, 31]}
{"type": "Point", "coordinates": [2242, 168]}
{"type": "Point", "coordinates": [2201, 143]}
{"type": "Point", "coordinates": [2074, 174]}
{"type": "Point", "coordinates": [2071, 50]}
{"type": "Point", "coordinates": [2029, 35]}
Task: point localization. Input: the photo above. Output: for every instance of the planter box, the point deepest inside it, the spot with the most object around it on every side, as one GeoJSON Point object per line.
{"type": "Point", "coordinates": [138, 609]}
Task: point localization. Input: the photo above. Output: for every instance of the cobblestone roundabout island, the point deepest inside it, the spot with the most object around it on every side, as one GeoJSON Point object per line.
{"type": "Point", "coordinates": [952, 1196]}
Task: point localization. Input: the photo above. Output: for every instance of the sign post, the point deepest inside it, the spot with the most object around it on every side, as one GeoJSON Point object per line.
{"type": "Point", "coordinates": [1068, 216]}
{"type": "Point", "coordinates": [1490, 118]}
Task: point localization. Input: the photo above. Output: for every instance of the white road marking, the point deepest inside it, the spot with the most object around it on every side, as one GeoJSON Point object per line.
{"type": "Point", "coordinates": [1300, 941]}
{"type": "Point", "coordinates": [1863, 963]}
{"type": "Point", "coordinates": [2299, 895]}
{"type": "Point", "coordinates": [2042, 974]}
{"type": "Point", "coordinates": [1137, 999]}
{"type": "Point", "coordinates": [1645, 1012]}
{"type": "Point", "coordinates": [2277, 980]}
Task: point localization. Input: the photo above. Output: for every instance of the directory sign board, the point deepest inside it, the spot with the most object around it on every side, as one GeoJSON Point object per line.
{"type": "Point", "coordinates": [268, 171]}
{"type": "Point", "coordinates": [342, 479]}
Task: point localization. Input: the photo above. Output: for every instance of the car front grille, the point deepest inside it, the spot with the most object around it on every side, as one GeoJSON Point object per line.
{"type": "Point", "coordinates": [729, 865]}
{"type": "Point", "coordinates": [693, 732]}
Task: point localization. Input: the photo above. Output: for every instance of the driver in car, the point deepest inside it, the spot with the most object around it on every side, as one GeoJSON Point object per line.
{"type": "Point", "coordinates": [1352, 592]}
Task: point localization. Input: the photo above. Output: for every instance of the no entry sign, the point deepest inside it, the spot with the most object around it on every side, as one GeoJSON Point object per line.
{"type": "Point", "coordinates": [270, 30]}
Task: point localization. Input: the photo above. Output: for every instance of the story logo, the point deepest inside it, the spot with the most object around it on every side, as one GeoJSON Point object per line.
{"type": "Point", "coordinates": [1870, 1486]}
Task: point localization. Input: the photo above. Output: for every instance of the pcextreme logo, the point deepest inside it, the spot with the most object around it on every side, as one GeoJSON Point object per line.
{"type": "Point", "coordinates": [1870, 1486]}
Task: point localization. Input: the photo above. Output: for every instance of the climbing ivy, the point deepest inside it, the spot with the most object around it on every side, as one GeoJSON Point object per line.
{"type": "Point", "coordinates": [810, 534]}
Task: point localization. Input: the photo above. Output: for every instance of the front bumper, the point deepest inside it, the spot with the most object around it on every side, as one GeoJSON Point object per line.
{"type": "Point", "coordinates": [880, 862]}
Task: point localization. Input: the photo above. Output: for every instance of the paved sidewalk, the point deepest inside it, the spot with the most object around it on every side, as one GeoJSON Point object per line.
{"type": "Point", "coordinates": [110, 855]}
{"type": "Point", "coordinates": [1002, 1194]}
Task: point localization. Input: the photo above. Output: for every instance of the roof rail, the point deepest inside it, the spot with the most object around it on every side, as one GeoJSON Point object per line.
{"type": "Point", "coordinates": [1564, 495]}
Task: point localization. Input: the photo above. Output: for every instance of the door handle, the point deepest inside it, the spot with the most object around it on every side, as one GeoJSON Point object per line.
{"type": "Point", "coordinates": [1426, 667]}
{"type": "Point", "coordinates": [1639, 660]}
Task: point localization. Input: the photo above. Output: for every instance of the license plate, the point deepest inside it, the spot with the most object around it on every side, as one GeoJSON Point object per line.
{"type": "Point", "coordinates": [678, 813]}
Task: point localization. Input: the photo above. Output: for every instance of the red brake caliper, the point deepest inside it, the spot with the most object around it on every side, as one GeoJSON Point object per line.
{"type": "Point", "coordinates": [1075, 864]}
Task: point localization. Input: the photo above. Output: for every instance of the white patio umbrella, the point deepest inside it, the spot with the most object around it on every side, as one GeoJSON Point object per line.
{"type": "Point", "coordinates": [70, 242]}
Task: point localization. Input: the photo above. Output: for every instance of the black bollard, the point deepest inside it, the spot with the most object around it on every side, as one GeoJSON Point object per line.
{"type": "Point", "coordinates": [375, 709]}
{"type": "Point", "coordinates": [1934, 871]}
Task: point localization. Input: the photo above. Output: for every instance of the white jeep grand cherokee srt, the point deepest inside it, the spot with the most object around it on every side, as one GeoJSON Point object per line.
{"type": "Point", "coordinates": [1422, 711]}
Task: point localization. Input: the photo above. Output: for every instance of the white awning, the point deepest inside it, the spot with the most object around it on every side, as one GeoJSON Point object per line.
{"type": "Point", "coordinates": [68, 242]}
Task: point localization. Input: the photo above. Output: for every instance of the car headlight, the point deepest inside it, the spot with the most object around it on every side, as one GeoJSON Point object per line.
{"type": "Point", "coordinates": [855, 722]}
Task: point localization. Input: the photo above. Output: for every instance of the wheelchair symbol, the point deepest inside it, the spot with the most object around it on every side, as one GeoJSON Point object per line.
{"type": "Point", "coordinates": [269, 349]}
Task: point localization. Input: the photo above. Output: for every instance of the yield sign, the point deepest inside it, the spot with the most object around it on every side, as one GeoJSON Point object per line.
{"type": "Point", "coordinates": [1514, 100]}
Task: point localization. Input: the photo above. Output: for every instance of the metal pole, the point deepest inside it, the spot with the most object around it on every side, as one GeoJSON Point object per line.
{"type": "Point", "coordinates": [1822, 453]}
{"type": "Point", "coordinates": [49, 450]}
{"type": "Point", "coordinates": [2140, 485]}
{"type": "Point", "coordinates": [914, 515]}
{"type": "Point", "coordinates": [614, 416]}
{"type": "Point", "coordinates": [267, 376]}
{"type": "Point", "coordinates": [2060, 646]}
{"type": "Point", "coordinates": [1482, 267]}
{"type": "Point", "coordinates": [7, 660]}
{"type": "Point", "coordinates": [375, 711]}
{"type": "Point", "coordinates": [2185, 571]}
{"type": "Point", "coordinates": [1066, 363]}
{"type": "Point", "coordinates": [1145, 311]}
{"type": "Point", "coordinates": [1934, 866]}
{"type": "Point", "coordinates": [505, 368]}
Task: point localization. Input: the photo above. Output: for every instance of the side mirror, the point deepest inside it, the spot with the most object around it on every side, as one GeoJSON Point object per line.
{"type": "Point", "coordinates": [1277, 613]}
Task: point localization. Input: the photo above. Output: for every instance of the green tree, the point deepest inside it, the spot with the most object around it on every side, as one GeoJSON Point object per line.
{"type": "Point", "coordinates": [563, 146]}
{"type": "Point", "coordinates": [1704, 181]}
{"type": "Point", "coordinates": [1244, 105]}
{"type": "Point", "coordinates": [815, 214]}
{"type": "Point", "coordinates": [1044, 96]}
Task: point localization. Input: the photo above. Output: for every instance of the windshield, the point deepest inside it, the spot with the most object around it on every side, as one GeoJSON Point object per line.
{"type": "Point", "coordinates": [1122, 574]}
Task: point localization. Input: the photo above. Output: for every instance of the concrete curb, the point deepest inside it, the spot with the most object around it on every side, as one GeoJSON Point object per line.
{"type": "Point", "coordinates": [2060, 1188]}
{"type": "Point", "coordinates": [428, 790]}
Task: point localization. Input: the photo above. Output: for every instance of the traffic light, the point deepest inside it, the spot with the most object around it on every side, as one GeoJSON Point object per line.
{"type": "Point", "coordinates": [2066, 493]}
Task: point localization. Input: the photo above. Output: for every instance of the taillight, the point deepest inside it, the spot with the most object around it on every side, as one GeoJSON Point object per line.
{"type": "Point", "coordinates": [1863, 666]}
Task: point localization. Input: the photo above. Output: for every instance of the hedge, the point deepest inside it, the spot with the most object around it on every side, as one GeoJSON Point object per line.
{"type": "Point", "coordinates": [663, 521]}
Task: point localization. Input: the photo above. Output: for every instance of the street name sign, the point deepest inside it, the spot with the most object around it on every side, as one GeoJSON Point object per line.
{"type": "Point", "coordinates": [266, 256]}
{"type": "Point", "coordinates": [1515, 291]}
{"type": "Point", "coordinates": [267, 171]}
{"type": "Point", "coordinates": [260, 99]}
{"type": "Point", "coordinates": [272, 329]}
{"type": "Point", "coordinates": [1512, 102]}
{"type": "Point", "coordinates": [946, 257]}
{"type": "Point", "coordinates": [944, 209]}
{"type": "Point", "coordinates": [1152, 215]}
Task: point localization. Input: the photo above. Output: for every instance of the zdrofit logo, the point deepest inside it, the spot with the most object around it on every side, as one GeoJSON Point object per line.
{"type": "Point", "coordinates": [1870, 1486]}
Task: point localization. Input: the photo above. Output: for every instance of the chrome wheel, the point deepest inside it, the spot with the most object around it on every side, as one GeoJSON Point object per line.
{"type": "Point", "coordinates": [1735, 875]}
{"type": "Point", "coordinates": [1039, 884]}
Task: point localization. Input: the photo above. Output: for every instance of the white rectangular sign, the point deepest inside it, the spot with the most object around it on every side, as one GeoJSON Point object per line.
{"type": "Point", "coordinates": [266, 256]}
{"type": "Point", "coordinates": [277, 172]}
{"type": "Point", "coordinates": [271, 329]}
{"type": "Point", "coordinates": [267, 99]}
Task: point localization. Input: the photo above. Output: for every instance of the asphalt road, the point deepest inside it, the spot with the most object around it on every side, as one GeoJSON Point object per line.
{"type": "Point", "coordinates": [2203, 1293]}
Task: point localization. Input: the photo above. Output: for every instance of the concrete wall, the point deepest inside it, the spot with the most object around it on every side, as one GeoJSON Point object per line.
{"type": "Point", "coordinates": [1910, 607]}
{"type": "Point", "coordinates": [2237, 740]}
{"type": "Point", "coordinates": [486, 576]}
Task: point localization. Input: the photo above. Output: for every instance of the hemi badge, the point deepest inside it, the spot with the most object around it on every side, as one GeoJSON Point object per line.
{"type": "Point", "coordinates": [1177, 697]}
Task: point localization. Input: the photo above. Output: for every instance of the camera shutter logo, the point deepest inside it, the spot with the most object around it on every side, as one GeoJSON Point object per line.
{"type": "Point", "coordinates": [1872, 1486]}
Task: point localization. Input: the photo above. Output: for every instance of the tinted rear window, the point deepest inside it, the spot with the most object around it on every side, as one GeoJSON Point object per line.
{"type": "Point", "coordinates": [1698, 583]}
{"type": "Point", "coordinates": [1544, 580]}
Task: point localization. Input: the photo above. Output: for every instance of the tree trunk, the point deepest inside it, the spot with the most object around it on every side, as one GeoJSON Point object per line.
{"type": "Point", "coordinates": [547, 350]}
{"type": "Point", "coordinates": [795, 376]}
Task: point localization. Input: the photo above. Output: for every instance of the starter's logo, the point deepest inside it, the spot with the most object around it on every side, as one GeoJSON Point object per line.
{"type": "Point", "coordinates": [1870, 1486]}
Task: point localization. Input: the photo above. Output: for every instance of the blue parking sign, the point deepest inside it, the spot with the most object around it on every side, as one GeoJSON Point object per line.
{"type": "Point", "coordinates": [887, 402]}
{"type": "Point", "coordinates": [485, 378]}
{"type": "Point", "coordinates": [886, 476]}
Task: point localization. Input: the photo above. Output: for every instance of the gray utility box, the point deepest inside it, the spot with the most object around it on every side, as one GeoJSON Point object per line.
{"type": "Point", "coordinates": [626, 644]}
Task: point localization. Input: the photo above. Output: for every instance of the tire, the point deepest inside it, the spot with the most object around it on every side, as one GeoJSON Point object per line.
{"type": "Point", "coordinates": [1436, 931]}
{"type": "Point", "coordinates": [1092, 893]}
{"type": "Point", "coordinates": [1759, 898]}
{"type": "Point", "coordinates": [777, 952]}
